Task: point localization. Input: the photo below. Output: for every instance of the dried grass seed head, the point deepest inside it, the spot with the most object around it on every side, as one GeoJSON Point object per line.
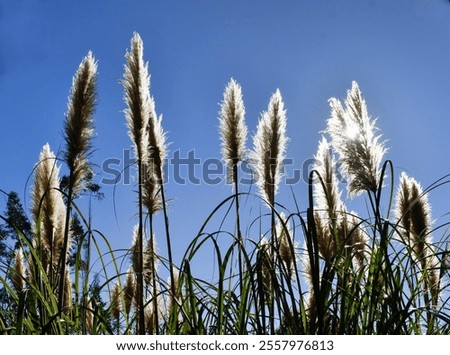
{"type": "Point", "coordinates": [154, 145]}
{"type": "Point", "coordinates": [67, 305]}
{"type": "Point", "coordinates": [327, 196]}
{"type": "Point", "coordinates": [48, 208]}
{"type": "Point", "coordinates": [115, 302]}
{"type": "Point", "coordinates": [129, 289]}
{"type": "Point", "coordinates": [270, 143]}
{"type": "Point", "coordinates": [287, 245]}
{"type": "Point", "coordinates": [413, 212]}
{"type": "Point", "coordinates": [150, 261]}
{"type": "Point", "coordinates": [78, 125]}
{"type": "Point", "coordinates": [19, 275]}
{"type": "Point", "coordinates": [151, 189]}
{"type": "Point", "coordinates": [232, 127]}
{"type": "Point", "coordinates": [136, 84]}
{"type": "Point", "coordinates": [354, 137]}
{"type": "Point", "coordinates": [89, 319]}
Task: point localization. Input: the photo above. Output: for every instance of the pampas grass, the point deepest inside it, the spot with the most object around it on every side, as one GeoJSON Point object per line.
{"type": "Point", "coordinates": [413, 212]}
{"type": "Point", "coordinates": [78, 125]}
{"type": "Point", "coordinates": [270, 148]}
{"type": "Point", "coordinates": [19, 276]}
{"type": "Point", "coordinates": [136, 84]}
{"type": "Point", "coordinates": [232, 127]}
{"type": "Point", "coordinates": [319, 270]}
{"type": "Point", "coordinates": [78, 131]}
{"type": "Point", "coordinates": [49, 213]}
{"type": "Point", "coordinates": [354, 137]}
{"type": "Point", "coordinates": [149, 141]}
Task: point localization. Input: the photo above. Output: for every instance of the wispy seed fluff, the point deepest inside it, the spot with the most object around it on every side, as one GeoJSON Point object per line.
{"type": "Point", "coordinates": [270, 148]}
{"type": "Point", "coordinates": [232, 127]}
{"type": "Point", "coordinates": [78, 125]}
{"type": "Point", "coordinates": [115, 302]}
{"type": "Point", "coordinates": [134, 251]}
{"type": "Point", "coordinates": [89, 319]}
{"type": "Point", "coordinates": [287, 246]}
{"type": "Point", "coordinates": [67, 293]}
{"type": "Point", "coordinates": [48, 208]}
{"type": "Point", "coordinates": [129, 289]}
{"type": "Point", "coordinates": [265, 257]}
{"type": "Point", "coordinates": [154, 156]}
{"type": "Point", "coordinates": [150, 265]}
{"type": "Point", "coordinates": [353, 135]}
{"type": "Point", "coordinates": [136, 83]}
{"type": "Point", "coordinates": [336, 228]}
{"type": "Point", "coordinates": [413, 212]}
{"type": "Point", "coordinates": [327, 196]}
{"type": "Point", "coordinates": [144, 126]}
{"type": "Point", "coordinates": [329, 209]}
{"type": "Point", "coordinates": [150, 261]}
{"type": "Point", "coordinates": [18, 275]}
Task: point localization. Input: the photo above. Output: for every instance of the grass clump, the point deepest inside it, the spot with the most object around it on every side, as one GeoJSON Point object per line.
{"type": "Point", "coordinates": [321, 270]}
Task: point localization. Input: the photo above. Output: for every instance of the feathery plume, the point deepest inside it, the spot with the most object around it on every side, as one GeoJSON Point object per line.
{"type": "Point", "coordinates": [89, 319]}
{"type": "Point", "coordinates": [129, 289]}
{"type": "Point", "coordinates": [309, 279]}
{"type": "Point", "coordinates": [335, 227]}
{"type": "Point", "coordinates": [48, 208]}
{"type": "Point", "coordinates": [136, 83]}
{"type": "Point", "coordinates": [154, 145]}
{"type": "Point", "coordinates": [67, 293]}
{"type": "Point", "coordinates": [154, 156]}
{"type": "Point", "coordinates": [115, 303]}
{"type": "Point", "coordinates": [356, 239]}
{"type": "Point", "coordinates": [174, 298]}
{"type": "Point", "coordinates": [270, 147]}
{"type": "Point", "coordinates": [327, 197]}
{"type": "Point", "coordinates": [150, 318]}
{"type": "Point", "coordinates": [134, 251]}
{"type": "Point", "coordinates": [153, 313]}
{"type": "Point", "coordinates": [266, 260]}
{"type": "Point", "coordinates": [151, 188]}
{"type": "Point", "coordinates": [286, 245]}
{"type": "Point", "coordinates": [232, 127]}
{"type": "Point", "coordinates": [18, 276]}
{"type": "Point", "coordinates": [413, 212]}
{"type": "Point", "coordinates": [78, 125]}
{"type": "Point", "coordinates": [353, 136]}
{"type": "Point", "coordinates": [329, 211]}
{"type": "Point", "coordinates": [150, 261]}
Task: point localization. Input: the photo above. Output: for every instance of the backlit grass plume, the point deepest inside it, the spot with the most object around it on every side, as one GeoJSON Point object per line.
{"type": "Point", "coordinates": [78, 125]}
{"type": "Point", "coordinates": [232, 127]}
{"type": "Point", "coordinates": [354, 137]}
{"type": "Point", "coordinates": [18, 276]}
{"type": "Point", "coordinates": [154, 153]}
{"type": "Point", "coordinates": [129, 290]}
{"type": "Point", "coordinates": [329, 208]}
{"type": "Point", "coordinates": [287, 246]}
{"type": "Point", "coordinates": [327, 196]}
{"type": "Point", "coordinates": [154, 145]}
{"type": "Point", "coordinates": [115, 304]}
{"type": "Point", "coordinates": [270, 148]}
{"type": "Point", "coordinates": [136, 83]}
{"type": "Point", "coordinates": [413, 212]}
{"type": "Point", "coordinates": [49, 211]}
{"type": "Point", "coordinates": [78, 131]}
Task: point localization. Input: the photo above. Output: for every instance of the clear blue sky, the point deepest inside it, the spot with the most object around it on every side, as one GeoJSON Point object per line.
{"type": "Point", "coordinates": [398, 52]}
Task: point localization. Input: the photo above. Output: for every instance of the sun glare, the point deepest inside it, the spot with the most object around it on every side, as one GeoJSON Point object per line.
{"type": "Point", "coordinates": [352, 131]}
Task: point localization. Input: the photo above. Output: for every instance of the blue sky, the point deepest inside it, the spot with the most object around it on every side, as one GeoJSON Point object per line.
{"type": "Point", "coordinates": [311, 50]}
